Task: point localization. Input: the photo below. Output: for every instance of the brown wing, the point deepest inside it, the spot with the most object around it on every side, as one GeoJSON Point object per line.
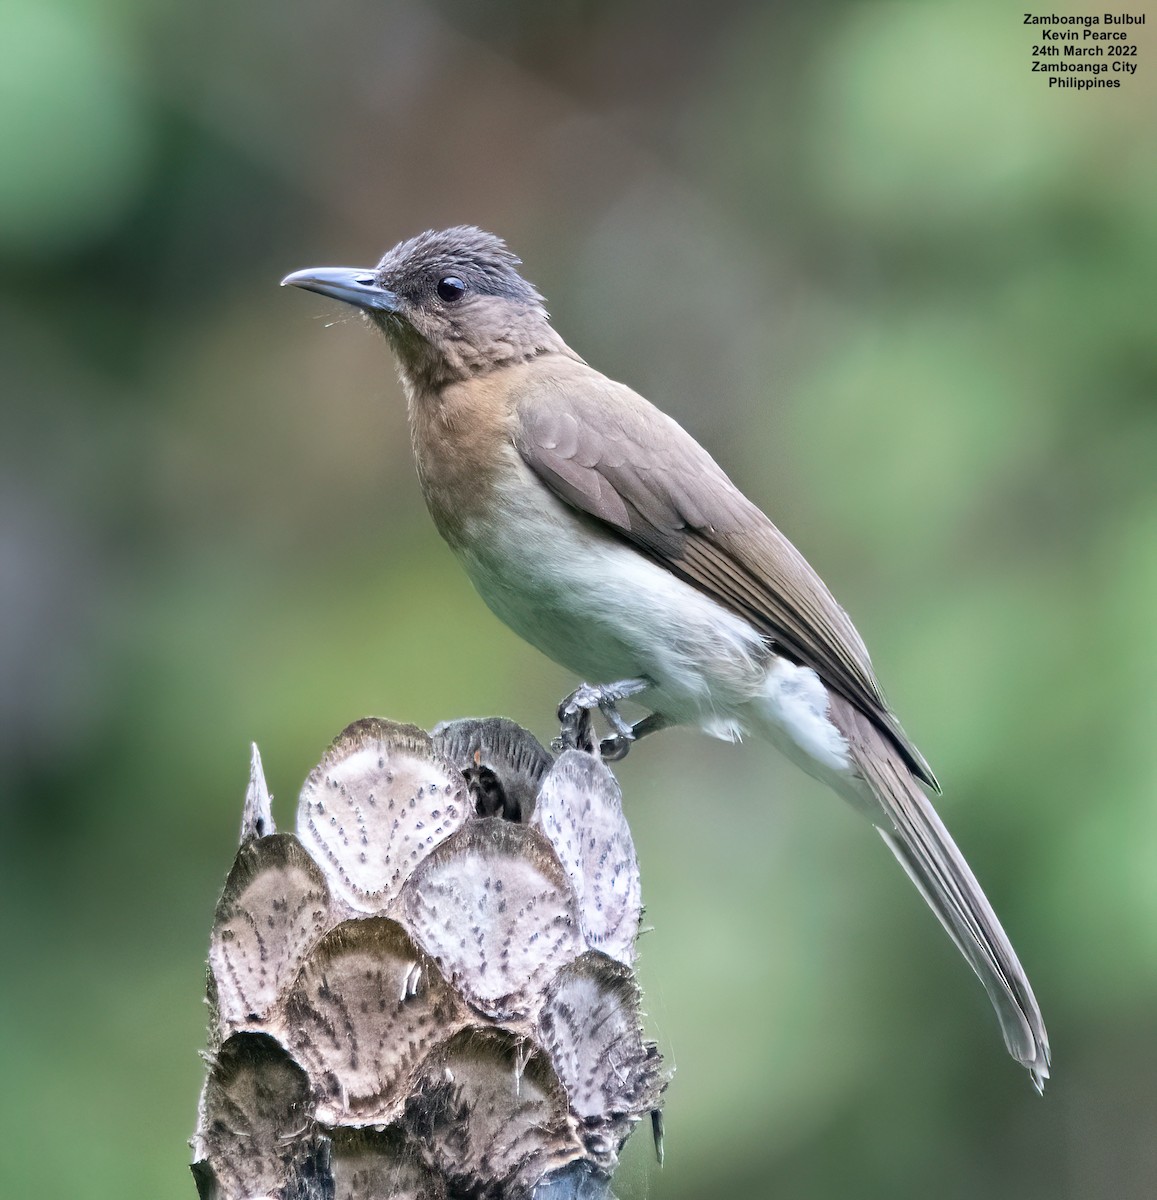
{"type": "Point", "coordinates": [602, 448]}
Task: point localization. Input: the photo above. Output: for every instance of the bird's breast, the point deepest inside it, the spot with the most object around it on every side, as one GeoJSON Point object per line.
{"type": "Point", "coordinates": [566, 583]}
{"type": "Point", "coordinates": [461, 435]}
{"type": "Point", "coordinates": [597, 605]}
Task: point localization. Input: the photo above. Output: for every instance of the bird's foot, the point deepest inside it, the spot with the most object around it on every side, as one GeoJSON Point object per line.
{"type": "Point", "coordinates": [575, 716]}
{"type": "Point", "coordinates": [615, 747]}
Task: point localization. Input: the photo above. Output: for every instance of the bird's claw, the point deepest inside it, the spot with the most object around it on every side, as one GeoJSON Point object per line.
{"type": "Point", "coordinates": [614, 749]}
{"type": "Point", "coordinates": [574, 715]}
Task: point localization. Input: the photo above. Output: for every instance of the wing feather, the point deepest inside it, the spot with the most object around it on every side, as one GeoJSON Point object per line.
{"type": "Point", "coordinates": [607, 452]}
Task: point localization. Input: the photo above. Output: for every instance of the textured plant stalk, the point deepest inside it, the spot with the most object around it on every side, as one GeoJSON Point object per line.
{"type": "Point", "coordinates": [427, 992]}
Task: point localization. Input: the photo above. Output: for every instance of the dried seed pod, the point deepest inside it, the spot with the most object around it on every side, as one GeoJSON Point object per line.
{"type": "Point", "coordinates": [405, 1002]}
{"type": "Point", "coordinates": [493, 908]}
{"type": "Point", "coordinates": [489, 1106]}
{"type": "Point", "coordinates": [257, 813]}
{"type": "Point", "coordinates": [371, 1165]}
{"type": "Point", "coordinates": [580, 810]}
{"type": "Point", "coordinates": [274, 908]}
{"type": "Point", "coordinates": [253, 1114]}
{"type": "Point", "coordinates": [590, 1029]}
{"type": "Point", "coordinates": [374, 807]}
{"type": "Point", "coordinates": [365, 1011]}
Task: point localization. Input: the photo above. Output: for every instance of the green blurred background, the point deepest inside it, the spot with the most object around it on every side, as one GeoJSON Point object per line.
{"type": "Point", "coordinates": [907, 296]}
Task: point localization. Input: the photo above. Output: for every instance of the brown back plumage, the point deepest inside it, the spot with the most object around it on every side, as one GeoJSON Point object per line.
{"type": "Point", "coordinates": [605, 450]}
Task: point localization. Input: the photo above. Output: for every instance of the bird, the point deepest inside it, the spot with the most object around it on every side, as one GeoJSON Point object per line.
{"type": "Point", "coordinates": [605, 535]}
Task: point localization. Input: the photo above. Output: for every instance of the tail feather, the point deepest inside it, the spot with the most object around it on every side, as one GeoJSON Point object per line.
{"type": "Point", "coordinates": [909, 824]}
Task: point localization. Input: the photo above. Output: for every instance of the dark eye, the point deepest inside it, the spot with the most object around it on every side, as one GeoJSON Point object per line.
{"type": "Point", "coordinates": [451, 288]}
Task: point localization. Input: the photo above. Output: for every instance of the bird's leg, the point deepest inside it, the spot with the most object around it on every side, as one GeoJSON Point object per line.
{"type": "Point", "coordinates": [575, 711]}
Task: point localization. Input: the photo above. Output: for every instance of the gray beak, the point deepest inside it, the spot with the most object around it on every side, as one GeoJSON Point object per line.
{"type": "Point", "coordinates": [353, 285]}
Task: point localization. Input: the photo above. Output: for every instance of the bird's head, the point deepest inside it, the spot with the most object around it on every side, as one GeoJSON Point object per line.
{"type": "Point", "coordinates": [452, 304]}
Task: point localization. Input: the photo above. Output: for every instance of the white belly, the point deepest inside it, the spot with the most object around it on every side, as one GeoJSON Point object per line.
{"type": "Point", "coordinates": [605, 611]}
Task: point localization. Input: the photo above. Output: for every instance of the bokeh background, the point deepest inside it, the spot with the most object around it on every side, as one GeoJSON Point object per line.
{"type": "Point", "coordinates": [906, 295]}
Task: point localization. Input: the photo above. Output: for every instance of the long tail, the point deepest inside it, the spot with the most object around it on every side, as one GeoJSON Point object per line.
{"type": "Point", "coordinates": [908, 823]}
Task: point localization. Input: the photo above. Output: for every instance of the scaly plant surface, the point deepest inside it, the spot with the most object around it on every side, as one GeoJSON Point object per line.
{"type": "Point", "coordinates": [427, 991]}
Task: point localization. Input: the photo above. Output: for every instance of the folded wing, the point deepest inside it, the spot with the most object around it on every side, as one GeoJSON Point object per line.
{"type": "Point", "coordinates": [605, 450]}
